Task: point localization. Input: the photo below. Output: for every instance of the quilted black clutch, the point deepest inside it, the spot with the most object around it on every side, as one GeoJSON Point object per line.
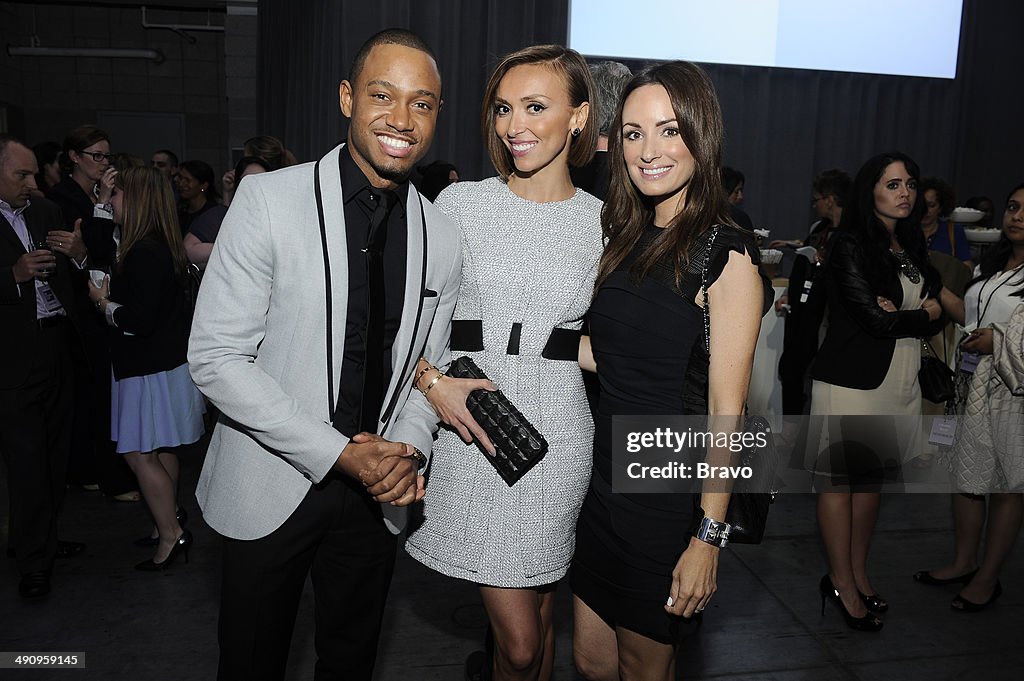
{"type": "Point", "coordinates": [518, 445]}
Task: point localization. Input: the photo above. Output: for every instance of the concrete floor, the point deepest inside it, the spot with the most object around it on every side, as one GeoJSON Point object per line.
{"type": "Point", "coordinates": [764, 624]}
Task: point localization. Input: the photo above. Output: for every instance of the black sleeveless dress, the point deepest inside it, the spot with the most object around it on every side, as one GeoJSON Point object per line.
{"type": "Point", "coordinates": [648, 340]}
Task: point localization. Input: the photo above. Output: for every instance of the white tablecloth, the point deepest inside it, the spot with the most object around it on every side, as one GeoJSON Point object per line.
{"type": "Point", "coordinates": [765, 395]}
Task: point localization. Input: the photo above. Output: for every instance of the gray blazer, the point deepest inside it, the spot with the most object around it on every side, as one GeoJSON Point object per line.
{"type": "Point", "coordinates": [258, 345]}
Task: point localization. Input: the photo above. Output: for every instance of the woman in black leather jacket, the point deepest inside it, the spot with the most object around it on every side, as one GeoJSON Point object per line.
{"type": "Point", "coordinates": [882, 299]}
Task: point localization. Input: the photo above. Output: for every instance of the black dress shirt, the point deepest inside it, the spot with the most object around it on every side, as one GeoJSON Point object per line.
{"type": "Point", "coordinates": [359, 206]}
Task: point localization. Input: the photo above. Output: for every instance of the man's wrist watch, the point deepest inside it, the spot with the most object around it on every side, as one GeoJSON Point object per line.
{"type": "Point", "coordinates": [713, 532]}
{"type": "Point", "coordinates": [421, 461]}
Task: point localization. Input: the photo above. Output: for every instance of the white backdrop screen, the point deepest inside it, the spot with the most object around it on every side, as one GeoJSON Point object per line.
{"type": "Point", "coordinates": [901, 37]}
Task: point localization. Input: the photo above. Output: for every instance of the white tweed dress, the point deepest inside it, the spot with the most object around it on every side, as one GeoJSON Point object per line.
{"type": "Point", "coordinates": [532, 263]}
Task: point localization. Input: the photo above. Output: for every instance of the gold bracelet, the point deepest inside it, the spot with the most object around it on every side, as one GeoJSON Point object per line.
{"type": "Point", "coordinates": [432, 383]}
{"type": "Point", "coordinates": [416, 381]}
{"type": "Point", "coordinates": [421, 461]}
{"type": "Point", "coordinates": [99, 303]}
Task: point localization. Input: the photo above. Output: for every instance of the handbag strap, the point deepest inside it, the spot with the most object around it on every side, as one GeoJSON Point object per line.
{"type": "Point", "coordinates": [704, 288]}
{"type": "Point", "coordinates": [926, 344]}
{"type": "Point", "coordinates": [707, 307]}
{"type": "Point", "coordinates": [945, 350]}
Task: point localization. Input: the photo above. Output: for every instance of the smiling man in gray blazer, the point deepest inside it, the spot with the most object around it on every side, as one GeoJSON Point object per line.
{"type": "Point", "coordinates": [321, 294]}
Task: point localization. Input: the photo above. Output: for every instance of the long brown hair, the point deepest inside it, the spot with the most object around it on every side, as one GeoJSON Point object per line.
{"type": "Point", "coordinates": [578, 85]}
{"type": "Point", "coordinates": [627, 212]}
{"type": "Point", "coordinates": [147, 208]}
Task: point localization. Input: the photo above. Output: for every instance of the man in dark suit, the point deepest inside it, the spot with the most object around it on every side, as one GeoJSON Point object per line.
{"type": "Point", "coordinates": [35, 365]}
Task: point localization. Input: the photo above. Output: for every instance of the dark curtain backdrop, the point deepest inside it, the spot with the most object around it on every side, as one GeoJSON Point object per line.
{"type": "Point", "coordinates": [782, 125]}
{"type": "Point", "coordinates": [306, 47]}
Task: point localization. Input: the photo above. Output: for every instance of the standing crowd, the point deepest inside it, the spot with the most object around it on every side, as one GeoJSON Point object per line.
{"type": "Point", "coordinates": [334, 295]}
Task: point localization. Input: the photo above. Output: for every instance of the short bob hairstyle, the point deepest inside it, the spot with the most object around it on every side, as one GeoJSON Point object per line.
{"type": "Point", "coordinates": [835, 183]}
{"type": "Point", "coordinates": [77, 140]}
{"type": "Point", "coordinates": [579, 86]}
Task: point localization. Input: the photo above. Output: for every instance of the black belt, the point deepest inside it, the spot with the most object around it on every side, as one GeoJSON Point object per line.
{"type": "Point", "coordinates": [468, 336]}
{"type": "Point", "coordinates": [51, 322]}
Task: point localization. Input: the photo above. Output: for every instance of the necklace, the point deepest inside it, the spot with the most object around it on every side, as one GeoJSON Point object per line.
{"type": "Point", "coordinates": [907, 267]}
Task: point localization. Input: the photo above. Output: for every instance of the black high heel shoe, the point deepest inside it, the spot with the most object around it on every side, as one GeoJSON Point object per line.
{"type": "Point", "coordinates": [874, 602]}
{"type": "Point", "coordinates": [925, 577]}
{"type": "Point", "coordinates": [148, 541]}
{"type": "Point", "coordinates": [963, 605]}
{"type": "Point", "coordinates": [868, 622]}
{"type": "Point", "coordinates": [181, 545]}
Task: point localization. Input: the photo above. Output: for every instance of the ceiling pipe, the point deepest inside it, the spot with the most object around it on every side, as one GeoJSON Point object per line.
{"type": "Point", "coordinates": [108, 52]}
{"type": "Point", "coordinates": [181, 29]}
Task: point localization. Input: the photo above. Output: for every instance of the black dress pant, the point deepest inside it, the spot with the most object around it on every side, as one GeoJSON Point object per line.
{"type": "Point", "coordinates": [35, 439]}
{"type": "Point", "coordinates": [799, 345]}
{"type": "Point", "coordinates": [800, 340]}
{"type": "Point", "coordinates": [336, 535]}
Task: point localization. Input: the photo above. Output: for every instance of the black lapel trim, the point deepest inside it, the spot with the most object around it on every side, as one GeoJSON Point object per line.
{"type": "Point", "coordinates": [327, 290]}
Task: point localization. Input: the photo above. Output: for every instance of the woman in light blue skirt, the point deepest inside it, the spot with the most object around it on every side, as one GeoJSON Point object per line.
{"type": "Point", "coordinates": [154, 404]}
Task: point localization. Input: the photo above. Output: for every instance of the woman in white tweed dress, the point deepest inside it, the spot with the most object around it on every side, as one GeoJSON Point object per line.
{"type": "Point", "coordinates": [531, 244]}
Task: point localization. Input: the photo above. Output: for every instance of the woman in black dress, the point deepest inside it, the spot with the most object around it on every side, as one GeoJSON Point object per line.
{"type": "Point", "coordinates": [637, 574]}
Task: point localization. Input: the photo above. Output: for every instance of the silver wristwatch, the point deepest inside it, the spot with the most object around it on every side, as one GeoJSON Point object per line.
{"type": "Point", "coordinates": [713, 532]}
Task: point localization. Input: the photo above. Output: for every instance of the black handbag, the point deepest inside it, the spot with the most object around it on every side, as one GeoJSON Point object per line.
{"type": "Point", "coordinates": [935, 376]}
{"type": "Point", "coordinates": [518, 445]}
{"type": "Point", "coordinates": [751, 498]}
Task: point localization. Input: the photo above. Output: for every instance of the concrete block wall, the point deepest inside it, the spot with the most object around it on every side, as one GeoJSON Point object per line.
{"type": "Point", "coordinates": [241, 55]}
{"type": "Point", "coordinates": [10, 76]}
{"type": "Point", "coordinates": [57, 93]}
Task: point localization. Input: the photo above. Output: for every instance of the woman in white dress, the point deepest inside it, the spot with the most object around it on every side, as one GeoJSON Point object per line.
{"type": "Point", "coordinates": [882, 301]}
{"type": "Point", "coordinates": [987, 457]}
{"type": "Point", "coordinates": [531, 244]}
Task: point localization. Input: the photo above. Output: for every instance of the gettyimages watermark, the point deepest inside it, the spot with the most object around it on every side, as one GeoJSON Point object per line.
{"type": "Point", "coordinates": [798, 454]}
